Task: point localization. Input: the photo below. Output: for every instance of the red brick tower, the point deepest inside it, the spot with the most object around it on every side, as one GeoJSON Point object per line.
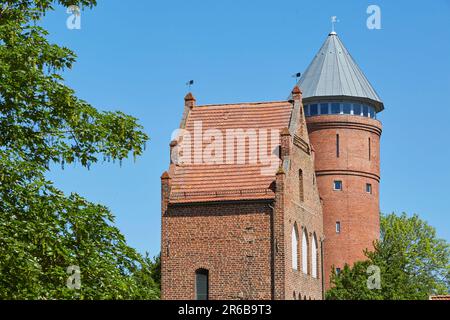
{"type": "Point", "coordinates": [341, 107]}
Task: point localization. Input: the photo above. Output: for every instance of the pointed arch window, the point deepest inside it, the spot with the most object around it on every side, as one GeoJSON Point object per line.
{"type": "Point", "coordinates": [305, 251]}
{"type": "Point", "coordinates": [314, 257]}
{"type": "Point", "coordinates": [294, 246]}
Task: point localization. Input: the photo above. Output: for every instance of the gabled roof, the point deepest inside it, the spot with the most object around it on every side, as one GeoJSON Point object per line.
{"type": "Point", "coordinates": [214, 182]}
{"type": "Point", "coordinates": [334, 73]}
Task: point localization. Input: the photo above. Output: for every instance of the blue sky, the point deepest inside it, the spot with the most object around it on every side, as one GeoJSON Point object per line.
{"type": "Point", "coordinates": [136, 56]}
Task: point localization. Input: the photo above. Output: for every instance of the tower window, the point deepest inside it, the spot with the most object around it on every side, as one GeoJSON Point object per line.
{"type": "Point", "coordinates": [338, 227]}
{"type": "Point", "coordinates": [338, 271]}
{"type": "Point", "coordinates": [368, 188]}
{"type": "Point", "coordinates": [306, 108]}
{"type": "Point", "coordinates": [337, 146]}
{"type": "Point", "coordinates": [301, 194]}
{"type": "Point", "coordinates": [365, 111]}
{"type": "Point", "coordinates": [335, 108]}
{"type": "Point", "coordinates": [346, 108]}
{"type": "Point", "coordinates": [337, 185]}
{"type": "Point", "coordinates": [370, 150]}
{"type": "Point", "coordinates": [201, 284]}
{"type": "Point", "coordinates": [324, 108]}
{"type": "Point", "coordinates": [357, 109]}
{"type": "Point", "coordinates": [313, 110]}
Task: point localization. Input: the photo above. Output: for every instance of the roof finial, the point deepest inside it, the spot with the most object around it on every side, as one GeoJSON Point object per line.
{"type": "Point", "coordinates": [334, 20]}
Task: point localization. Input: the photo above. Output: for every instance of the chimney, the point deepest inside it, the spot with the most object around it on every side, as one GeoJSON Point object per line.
{"type": "Point", "coordinates": [189, 103]}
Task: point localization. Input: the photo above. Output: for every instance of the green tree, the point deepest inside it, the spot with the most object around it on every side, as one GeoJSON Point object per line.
{"type": "Point", "coordinates": [42, 122]}
{"type": "Point", "coordinates": [413, 264]}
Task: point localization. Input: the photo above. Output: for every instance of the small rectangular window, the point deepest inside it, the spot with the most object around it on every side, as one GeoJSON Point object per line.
{"type": "Point", "coordinates": [338, 271]}
{"type": "Point", "coordinates": [338, 227]}
{"type": "Point", "coordinates": [370, 149]}
{"type": "Point", "coordinates": [337, 185]}
{"type": "Point", "coordinates": [368, 188]}
{"type": "Point", "coordinates": [335, 108]}
{"type": "Point", "coordinates": [324, 108]}
{"type": "Point", "coordinates": [313, 110]}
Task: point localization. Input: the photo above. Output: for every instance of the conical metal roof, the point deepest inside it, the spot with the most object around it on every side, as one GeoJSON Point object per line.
{"type": "Point", "coordinates": [334, 74]}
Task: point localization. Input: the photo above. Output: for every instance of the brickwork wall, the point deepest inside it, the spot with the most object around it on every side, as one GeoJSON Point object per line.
{"type": "Point", "coordinates": [231, 240]}
{"type": "Point", "coordinates": [355, 209]}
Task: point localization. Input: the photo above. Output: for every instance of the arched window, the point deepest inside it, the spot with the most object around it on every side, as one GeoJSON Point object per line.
{"type": "Point", "coordinates": [201, 284]}
{"type": "Point", "coordinates": [314, 254]}
{"type": "Point", "coordinates": [294, 246]}
{"type": "Point", "coordinates": [305, 252]}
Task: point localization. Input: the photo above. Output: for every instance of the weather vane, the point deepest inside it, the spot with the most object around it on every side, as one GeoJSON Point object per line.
{"type": "Point", "coordinates": [189, 84]}
{"type": "Point", "coordinates": [334, 20]}
{"type": "Point", "coordinates": [296, 76]}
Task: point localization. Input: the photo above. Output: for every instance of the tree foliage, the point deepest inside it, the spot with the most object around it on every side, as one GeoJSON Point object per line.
{"type": "Point", "coordinates": [413, 262]}
{"type": "Point", "coordinates": [42, 122]}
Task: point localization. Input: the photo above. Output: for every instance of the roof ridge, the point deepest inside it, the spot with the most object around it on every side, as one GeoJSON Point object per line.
{"type": "Point", "coordinates": [243, 103]}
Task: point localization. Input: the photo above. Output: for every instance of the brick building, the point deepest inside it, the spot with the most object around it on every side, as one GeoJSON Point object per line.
{"type": "Point", "coordinates": [262, 200]}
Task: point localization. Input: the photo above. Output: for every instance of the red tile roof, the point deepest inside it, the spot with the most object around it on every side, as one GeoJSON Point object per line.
{"type": "Point", "coordinates": [213, 182]}
{"type": "Point", "coordinates": [441, 297]}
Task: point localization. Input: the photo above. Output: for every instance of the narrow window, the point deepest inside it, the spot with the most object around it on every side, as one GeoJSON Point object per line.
{"type": "Point", "coordinates": [337, 185]}
{"type": "Point", "coordinates": [314, 254]}
{"type": "Point", "coordinates": [357, 109]}
{"type": "Point", "coordinates": [324, 108]}
{"type": "Point", "coordinates": [338, 227]}
{"type": "Point", "coordinates": [313, 110]}
{"type": "Point", "coordinates": [337, 146]}
{"type": "Point", "coordinates": [370, 150]}
{"type": "Point", "coordinates": [305, 261]}
{"type": "Point", "coordinates": [294, 247]}
{"type": "Point", "coordinates": [365, 110]}
{"type": "Point", "coordinates": [201, 284]}
{"type": "Point", "coordinates": [301, 194]}
{"type": "Point", "coordinates": [368, 188]}
{"type": "Point", "coordinates": [338, 271]}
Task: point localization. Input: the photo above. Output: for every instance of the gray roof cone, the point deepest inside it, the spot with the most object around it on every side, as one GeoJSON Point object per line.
{"type": "Point", "coordinates": [334, 74]}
